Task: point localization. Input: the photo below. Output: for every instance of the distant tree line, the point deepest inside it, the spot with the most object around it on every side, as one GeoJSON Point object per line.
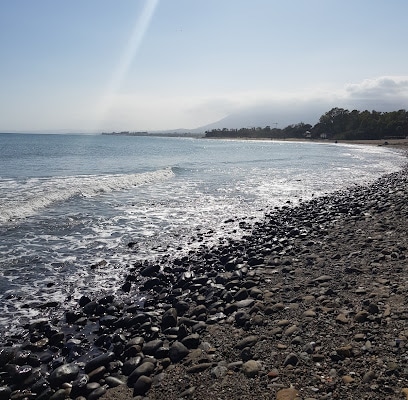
{"type": "Point", "coordinates": [338, 124]}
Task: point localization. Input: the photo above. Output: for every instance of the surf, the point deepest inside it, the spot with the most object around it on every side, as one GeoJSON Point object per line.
{"type": "Point", "coordinates": [30, 197]}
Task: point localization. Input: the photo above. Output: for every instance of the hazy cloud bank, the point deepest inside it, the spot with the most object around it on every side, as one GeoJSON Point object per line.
{"type": "Point", "coordinates": [381, 94]}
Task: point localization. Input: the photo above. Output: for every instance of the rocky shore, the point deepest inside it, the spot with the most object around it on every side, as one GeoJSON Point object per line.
{"type": "Point", "coordinates": [312, 304]}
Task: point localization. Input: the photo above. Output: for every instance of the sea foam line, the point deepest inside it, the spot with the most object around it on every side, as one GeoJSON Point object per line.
{"type": "Point", "coordinates": [34, 195]}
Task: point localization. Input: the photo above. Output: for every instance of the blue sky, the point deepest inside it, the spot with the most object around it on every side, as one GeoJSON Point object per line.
{"type": "Point", "coordinates": [165, 64]}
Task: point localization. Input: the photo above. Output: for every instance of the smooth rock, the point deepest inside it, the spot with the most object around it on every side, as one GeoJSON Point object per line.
{"type": "Point", "coordinates": [291, 359]}
{"type": "Point", "coordinates": [361, 316]}
{"type": "Point", "coordinates": [62, 374]}
{"type": "Point", "coordinates": [169, 319]}
{"type": "Point", "coordinates": [96, 393]}
{"type": "Point", "coordinates": [248, 341]}
{"type": "Point", "coordinates": [369, 376]}
{"type": "Point", "coordinates": [287, 394]}
{"type": "Point", "coordinates": [145, 369]}
{"type": "Point", "coordinates": [251, 368]}
{"type": "Point", "coordinates": [199, 368]}
{"type": "Point", "coordinates": [112, 381]}
{"type": "Point", "coordinates": [219, 371]}
{"type": "Point", "coordinates": [99, 361]}
{"type": "Point", "coordinates": [177, 351]}
{"type": "Point", "coordinates": [191, 341]}
{"type": "Point", "coordinates": [151, 347]}
{"type": "Point", "coordinates": [142, 385]}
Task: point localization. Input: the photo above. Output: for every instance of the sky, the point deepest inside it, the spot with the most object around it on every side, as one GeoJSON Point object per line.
{"type": "Point", "coordinates": [108, 65]}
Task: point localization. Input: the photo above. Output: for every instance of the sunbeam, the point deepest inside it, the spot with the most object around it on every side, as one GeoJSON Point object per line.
{"type": "Point", "coordinates": [130, 50]}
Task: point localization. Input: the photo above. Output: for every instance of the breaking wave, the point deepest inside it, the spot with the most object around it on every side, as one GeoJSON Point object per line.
{"type": "Point", "coordinates": [27, 198]}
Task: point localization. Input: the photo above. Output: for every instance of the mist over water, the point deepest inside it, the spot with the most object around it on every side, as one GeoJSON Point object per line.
{"type": "Point", "coordinates": [75, 211]}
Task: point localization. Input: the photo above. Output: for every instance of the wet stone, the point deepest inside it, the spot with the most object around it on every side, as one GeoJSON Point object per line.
{"type": "Point", "coordinates": [244, 303]}
{"type": "Point", "coordinates": [95, 394]}
{"type": "Point", "coordinates": [191, 341]}
{"type": "Point", "coordinates": [142, 385]}
{"type": "Point", "coordinates": [145, 369]}
{"type": "Point", "coordinates": [178, 351]}
{"type": "Point", "coordinates": [151, 347]}
{"type": "Point", "coordinates": [99, 361]}
{"type": "Point", "coordinates": [169, 319]}
{"type": "Point", "coordinates": [62, 374]}
{"type": "Point", "coordinates": [5, 392]}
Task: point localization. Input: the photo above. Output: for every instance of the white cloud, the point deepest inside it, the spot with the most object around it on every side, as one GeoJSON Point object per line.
{"type": "Point", "coordinates": [385, 86]}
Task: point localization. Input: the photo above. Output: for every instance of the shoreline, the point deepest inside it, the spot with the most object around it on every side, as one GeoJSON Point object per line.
{"type": "Point", "coordinates": [313, 298]}
{"type": "Point", "coordinates": [402, 143]}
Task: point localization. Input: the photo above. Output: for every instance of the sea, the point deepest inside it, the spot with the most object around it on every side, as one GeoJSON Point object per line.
{"type": "Point", "coordinates": [77, 211]}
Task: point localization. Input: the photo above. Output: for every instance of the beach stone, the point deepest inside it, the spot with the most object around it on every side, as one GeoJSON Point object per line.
{"type": "Point", "coordinates": [90, 307]}
{"type": "Point", "coordinates": [145, 369]}
{"type": "Point", "coordinates": [182, 307]}
{"type": "Point", "coordinates": [5, 392]}
{"type": "Point", "coordinates": [323, 279]}
{"type": "Point", "coordinates": [242, 294]}
{"type": "Point", "coordinates": [291, 330]}
{"type": "Point", "coordinates": [247, 342]}
{"type": "Point", "coordinates": [198, 311]}
{"type": "Point", "coordinates": [251, 368]}
{"type": "Point", "coordinates": [342, 319]}
{"type": "Point", "coordinates": [347, 379]}
{"type": "Point", "coordinates": [404, 391]}
{"type": "Point", "coordinates": [162, 352]}
{"type": "Point", "coordinates": [242, 318]}
{"type": "Point", "coordinates": [178, 351]}
{"type": "Point", "coordinates": [96, 393]}
{"type": "Point", "coordinates": [199, 368]}
{"type": "Point", "coordinates": [6, 355]}
{"type": "Point", "coordinates": [273, 373]}
{"type": "Point", "coordinates": [345, 351]}
{"type": "Point", "coordinates": [60, 394]}
{"type": "Point", "coordinates": [309, 314]}
{"type": "Point", "coordinates": [142, 385]}
{"type": "Point", "coordinates": [287, 394]}
{"type": "Point", "coordinates": [361, 316]}
{"type": "Point", "coordinates": [62, 374]}
{"type": "Point", "coordinates": [99, 361]}
{"type": "Point", "coordinates": [368, 376]}
{"type": "Point", "coordinates": [187, 393]}
{"type": "Point", "coordinates": [169, 319]}
{"type": "Point", "coordinates": [245, 303]}
{"type": "Point", "coordinates": [191, 341]}
{"type": "Point", "coordinates": [373, 308]}
{"type": "Point", "coordinates": [97, 373]}
{"type": "Point", "coordinates": [219, 371]}
{"type": "Point", "coordinates": [79, 384]}
{"type": "Point", "coordinates": [150, 270]}
{"type": "Point", "coordinates": [235, 366]}
{"type": "Point", "coordinates": [151, 347]}
{"type": "Point", "coordinates": [291, 359]}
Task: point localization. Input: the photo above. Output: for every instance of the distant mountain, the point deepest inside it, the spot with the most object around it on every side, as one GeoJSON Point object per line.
{"type": "Point", "coordinates": [261, 117]}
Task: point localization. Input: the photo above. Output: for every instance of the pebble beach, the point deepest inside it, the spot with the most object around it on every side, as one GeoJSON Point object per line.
{"type": "Point", "coordinates": [310, 304]}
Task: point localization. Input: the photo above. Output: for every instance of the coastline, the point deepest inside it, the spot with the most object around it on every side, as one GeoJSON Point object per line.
{"type": "Point", "coordinates": [394, 143]}
{"type": "Point", "coordinates": [311, 302]}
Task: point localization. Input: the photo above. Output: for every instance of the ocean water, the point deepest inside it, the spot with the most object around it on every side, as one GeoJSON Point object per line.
{"type": "Point", "coordinates": [77, 210]}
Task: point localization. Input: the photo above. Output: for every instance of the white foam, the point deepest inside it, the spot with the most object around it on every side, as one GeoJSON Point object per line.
{"type": "Point", "coordinates": [30, 197]}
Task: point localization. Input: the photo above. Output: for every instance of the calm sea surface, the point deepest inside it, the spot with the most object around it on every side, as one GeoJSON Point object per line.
{"type": "Point", "coordinates": [70, 202]}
